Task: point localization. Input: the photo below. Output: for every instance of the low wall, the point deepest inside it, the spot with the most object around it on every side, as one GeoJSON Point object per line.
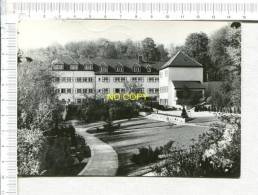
{"type": "Point", "coordinates": [166, 118]}
{"type": "Point", "coordinates": [144, 113]}
{"type": "Point", "coordinates": [172, 112]}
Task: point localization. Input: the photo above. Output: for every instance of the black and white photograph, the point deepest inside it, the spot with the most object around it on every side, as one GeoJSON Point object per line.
{"type": "Point", "coordinates": [129, 98]}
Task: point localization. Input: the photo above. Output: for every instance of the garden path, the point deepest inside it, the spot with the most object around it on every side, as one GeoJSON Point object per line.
{"type": "Point", "coordinates": [104, 160]}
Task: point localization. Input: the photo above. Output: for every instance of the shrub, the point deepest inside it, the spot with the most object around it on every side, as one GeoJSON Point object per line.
{"type": "Point", "coordinates": [98, 111]}
{"type": "Point", "coordinates": [184, 113]}
{"type": "Point", "coordinates": [83, 150]}
{"type": "Point", "coordinates": [31, 151]}
{"type": "Point", "coordinates": [73, 112]}
{"type": "Point", "coordinates": [215, 154]}
{"type": "Point", "coordinates": [59, 156]}
{"type": "Point", "coordinates": [52, 153]}
{"type": "Point", "coordinates": [146, 155]}
{"type": "Point", "coordinates": [146, 109]}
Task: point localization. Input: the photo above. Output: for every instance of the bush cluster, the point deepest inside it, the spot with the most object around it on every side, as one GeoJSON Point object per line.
{"type": "Point", "coordinates": [146, 109]}
{"type": "Point", "coordinates": [31, 151]}
{"type": "Point", "coordinates": [52, 153]}
{"type": "Point", "coordinates": [146, 155]}
{"type": "Point", "coordinates": [212, 108]}
{"type": "Point", "coordinates": [215, 154]}
{"type": "Point", "coordinates": [108, 111]}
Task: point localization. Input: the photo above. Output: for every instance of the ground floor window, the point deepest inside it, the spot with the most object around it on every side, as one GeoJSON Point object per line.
{"type": "Point", "coordinates": [119, 90]}
{"type": "Point", "coordinates": [153, 90]}
{"type": "Point", "coordinates": [163, 89]}
{"type": "Point", "coordinates": [78, 101]}
{"type": "Point", "coordinates": [140, 90]}
{"type": "Point", "coordinates": [163, 101]}
{"type": "Point", "coordinates": [105, 90]}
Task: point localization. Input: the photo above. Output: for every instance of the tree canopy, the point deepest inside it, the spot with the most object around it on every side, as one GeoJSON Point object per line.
{"type": "Point", "coordinates": [196, 46]}
{"type": "Point", "coordinates": [104, 48]}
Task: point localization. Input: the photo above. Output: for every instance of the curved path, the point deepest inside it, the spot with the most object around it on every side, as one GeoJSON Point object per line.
{"type": "Point", "coordinates": [104, 160]}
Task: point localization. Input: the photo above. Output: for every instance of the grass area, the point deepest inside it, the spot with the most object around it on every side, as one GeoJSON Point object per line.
{"type": "Point", "coordinates": [144, 132]}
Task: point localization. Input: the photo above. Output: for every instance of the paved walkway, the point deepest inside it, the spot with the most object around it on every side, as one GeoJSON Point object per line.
{"type": "Point", "coordinates": [103, 161]}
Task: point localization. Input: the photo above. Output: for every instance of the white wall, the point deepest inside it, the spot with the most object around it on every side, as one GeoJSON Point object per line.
{"type": "Point", "coordinates": [172, 95]}
{"type": "Point", "coordinates": [97, 83]}
{"type": "Point", "coordinates": [112, 85]}
{"type": "Point", "coordinates": [74, 85]}
{"type": "Point", "coordinates": [166, 118]}
{"type": "Point", "coordinates": [186, 74]}
{"type": "Point", "coordinates": [163, 82]}
{"type": "Point", "coordinates": [170, 74]}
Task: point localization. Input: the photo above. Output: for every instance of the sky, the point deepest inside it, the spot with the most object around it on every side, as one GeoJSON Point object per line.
{"type": "Point", "coordinates": [42, 33]}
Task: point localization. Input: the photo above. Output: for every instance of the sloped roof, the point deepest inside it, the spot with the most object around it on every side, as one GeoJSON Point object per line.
{"type": "Point", "coordinates": [188, 84]}
{"type": "Point", "coordinates": [181, 60]}
{"type": "Point", "coordinates": [127, 64]}
{"type": "Point", "coordinates": [64, 59]}
{"type": "Point", "coordinates": [84, 61]}
{"type": "Point", "coordinates": [111, 64]}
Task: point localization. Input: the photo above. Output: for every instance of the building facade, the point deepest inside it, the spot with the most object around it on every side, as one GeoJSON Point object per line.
{"type": "Point", "coordinates": [179, 74]}
{"type": "Point", "coordinates": [78, 80]}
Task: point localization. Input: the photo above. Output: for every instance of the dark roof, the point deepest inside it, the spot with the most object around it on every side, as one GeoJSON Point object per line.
{"type": "Point", "coordinates": [188, 84]}
{"type": "Point", "coordinates": [127, 64]}
{"type": "Point", "coordinates": [83, 61]}
{"type": "Point", "coordinates": [65, 59]}
{"type": "Point", "coordinates": [181, 60]}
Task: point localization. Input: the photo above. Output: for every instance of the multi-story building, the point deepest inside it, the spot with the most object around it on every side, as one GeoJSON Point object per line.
{"type": "Point", "coordinates": [178, 74]}
{"type": "Point", "coordinates": [77, 80]}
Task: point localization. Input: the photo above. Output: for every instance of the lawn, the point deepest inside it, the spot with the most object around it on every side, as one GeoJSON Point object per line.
{"type": "Point", "coordinates": [141, 132]}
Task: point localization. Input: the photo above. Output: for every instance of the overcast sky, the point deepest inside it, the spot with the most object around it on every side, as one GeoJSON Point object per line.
{"type": "Point", "coordinates": [42, 33]}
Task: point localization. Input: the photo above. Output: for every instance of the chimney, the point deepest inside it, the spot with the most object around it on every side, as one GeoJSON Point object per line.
{"type": "Point", "coordinates": [140, 59]}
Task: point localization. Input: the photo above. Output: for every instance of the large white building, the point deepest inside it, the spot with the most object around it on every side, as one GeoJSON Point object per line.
{"type": "Point", "coordinates": [179, 73]}
{"type": "Point", "coordinates": [76, 80]}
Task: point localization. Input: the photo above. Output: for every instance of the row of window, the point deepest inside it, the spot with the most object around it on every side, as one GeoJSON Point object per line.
{"type": "Point", "coordinates": [104, 90]}
{"type": "Point", "coordinates": [153, 90]}
{"type": "Point", "coordinates": [78, 90]}
{"type": "Point", "coordinates": [134, 79]}
{"type": "Point", "coordinates": [119, 79]}
{"type": "Point", "coordinates": [103, 79]}
{"type": "Point", "coordinates": [165, 73]}
{"type": "Point", "coordinates": [153, 79]}
{"type": "Point", "coordinates": [163, 101]}
{"type": "Point", "coordinates": [103, 68]}
{"type": "Point", "coordinates": [163, 89]}
{"type": "Point", "coordinates": [76, 79]}
{"type": "Point", "coordinates": [121, 69]}
{"type": "Point", "coordinates": [77, 100]}
{"type": "Point", "coordinates": [73, 67]}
